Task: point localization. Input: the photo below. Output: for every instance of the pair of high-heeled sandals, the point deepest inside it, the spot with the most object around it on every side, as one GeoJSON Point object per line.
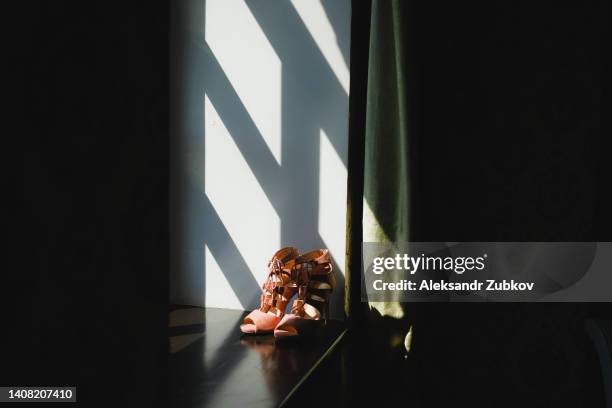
{"type": "Point", "coordinates": [310, 277]}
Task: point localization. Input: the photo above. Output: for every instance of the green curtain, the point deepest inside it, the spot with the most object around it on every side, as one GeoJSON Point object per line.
{"type": "Point", "coordinates": [384, 210]}
{"type": "Point", "coordinates": [386, 171]}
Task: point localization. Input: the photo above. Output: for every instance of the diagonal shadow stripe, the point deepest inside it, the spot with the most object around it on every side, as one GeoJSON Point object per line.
{"type": "Point", "coordinates": [301, 56]}
{"type": "Point", "coordinates": [339, 12]}
{"type": "Point", "coordinates": [206, 225]}
{"type": "Point", "coordinates": [337, 299]}
{"type": "Point", "coordinates": [228, 257]}
{"type": "Point", "coordinates": [239, 124]}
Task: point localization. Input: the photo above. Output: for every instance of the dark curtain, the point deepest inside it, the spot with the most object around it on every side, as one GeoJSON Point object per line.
{"type": "Point", "coordinates": [478, 123]}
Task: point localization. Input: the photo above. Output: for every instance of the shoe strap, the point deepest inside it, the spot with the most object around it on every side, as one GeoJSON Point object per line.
{"type": "Point", "coordinates": [319, 261]}
{"type": "Point", "coordinates": [314, 266]}
{"type": "Point", "coordinates": [270, 302]}
{"type": "Point", "coordinates": [303, 309]}
{"type": "Point", "coordinates": [278, 272]}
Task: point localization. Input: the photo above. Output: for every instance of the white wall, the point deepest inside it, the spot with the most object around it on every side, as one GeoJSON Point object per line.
{"type": "Point", "coordinates": [259, 125]}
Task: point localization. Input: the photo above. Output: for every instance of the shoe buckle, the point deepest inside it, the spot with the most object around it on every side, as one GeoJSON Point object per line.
{"type": "Point", "coordinates": [295, 274]}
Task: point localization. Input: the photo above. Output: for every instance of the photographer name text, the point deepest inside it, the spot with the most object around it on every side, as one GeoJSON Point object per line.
{"type": "Point", "coordinates": [475, 285]}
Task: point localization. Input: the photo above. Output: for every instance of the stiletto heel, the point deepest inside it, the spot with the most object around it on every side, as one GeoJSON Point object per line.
{"type": "Point", "coordinates": [312, 274]}
{"type": "Point", "coordinates": [326, 307]}
{"type": "Point", "coordinates": [275, 294]}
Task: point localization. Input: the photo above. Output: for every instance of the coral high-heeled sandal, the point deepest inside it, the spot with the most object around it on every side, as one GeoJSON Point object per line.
{"type": "Point", "coordinates": [312, 273]}
{"type": "Point", "coordinates": [275, 296]}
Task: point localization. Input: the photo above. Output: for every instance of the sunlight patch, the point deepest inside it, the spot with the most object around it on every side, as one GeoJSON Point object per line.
{"type": "Point", "coordinates": [315, 19]}
{"type": "Point", "coordinates": [372, 231]}
{"type": "Point", "coordinates": [239, 200]}
{"type": "Point", "coordinates": [332, 199]}
{"type": "Point", "coordinates": [250, 63]}
{"type": "Point", "coordinates": [219, 292]}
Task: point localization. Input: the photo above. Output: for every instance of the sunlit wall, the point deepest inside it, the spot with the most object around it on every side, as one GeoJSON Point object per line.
{"type": "Point", "coordinates": [259, 128]}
